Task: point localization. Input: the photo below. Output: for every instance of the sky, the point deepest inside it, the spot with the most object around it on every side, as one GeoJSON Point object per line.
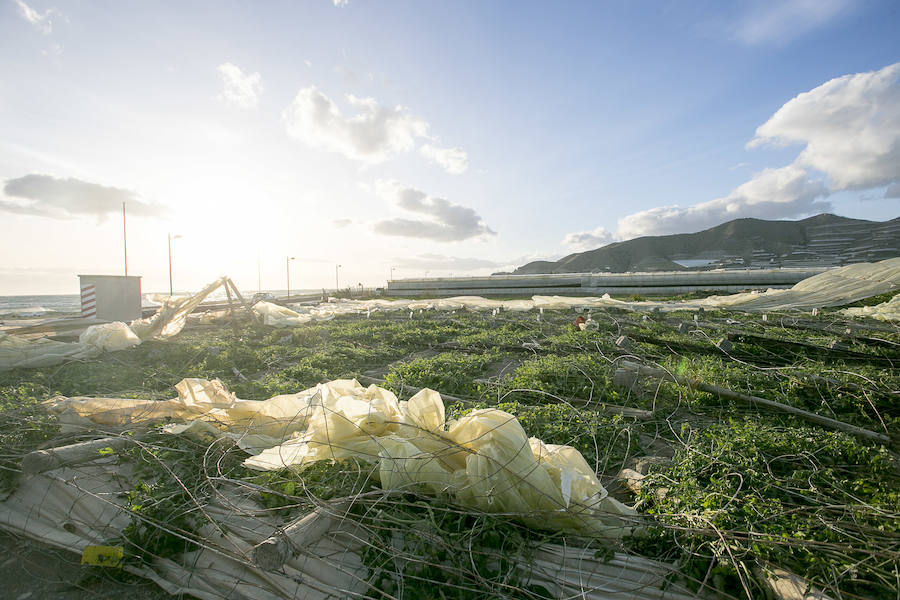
{"type": "Point", "coordinates": [414, 138]}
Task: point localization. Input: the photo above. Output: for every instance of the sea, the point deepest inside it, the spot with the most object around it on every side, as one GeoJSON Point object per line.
{"type": "Point", "coordinates": [69, 305]}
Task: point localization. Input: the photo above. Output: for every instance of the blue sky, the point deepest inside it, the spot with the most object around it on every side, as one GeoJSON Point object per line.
{"type": "Point", "coordinates": [454, 137]}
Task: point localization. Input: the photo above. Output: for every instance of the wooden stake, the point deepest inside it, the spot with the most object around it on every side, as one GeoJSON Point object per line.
{"type": "Point", "coordinates": [230, 300]}
{"type": "Point", "coordinates": [243, 302]}
{"type": "Point", "coordinates": [274, 551]}
{"type": "Point", "coordinates": [73, 454]}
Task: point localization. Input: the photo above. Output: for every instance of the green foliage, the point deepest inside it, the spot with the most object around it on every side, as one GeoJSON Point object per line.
{"type": "Point", "coordinates": [779, 486]}
{"type": "Point", "coordinates": [577, 376]}
{"type": "Point", "coordinates": [446, 553]}
{"type": "Point", "coordinates": [746, 484]}
{"type": "Point", "coordinates": [24, 425]}
{"type": "Point", "coordinates": [319, 481]}
{"type": "Point", "coordinates": [449, 372]}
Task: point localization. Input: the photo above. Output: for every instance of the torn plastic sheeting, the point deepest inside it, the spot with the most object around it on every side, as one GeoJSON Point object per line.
{"type": "Point", "coordinates": [256, 425]}
{"type": "Point", "coordinates": [280, 316]}
{"type": "Point", "coordinates": [169, 320]}
{"type": "Point", "coordinates": [72, 508]}
{"type": "Point", "coordinates": [832, 288]}
{"type": "Point", "coordinates": [483, 460]}
{"type": "Point", "coordinates": [16, 352]}
{"type": "Point", "coordinates": [110, 337]}
{"type": "Point", "coordinates": [886, 311]}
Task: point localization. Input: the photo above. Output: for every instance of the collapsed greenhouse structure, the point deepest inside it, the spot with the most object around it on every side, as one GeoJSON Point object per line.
{"type": "Point", "coordinates": [735, 446]}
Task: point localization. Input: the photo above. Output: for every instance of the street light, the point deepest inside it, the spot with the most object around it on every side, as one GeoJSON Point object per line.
{"type": "Point", "coordinates": [287, 268]}
{"type": "Point", "coordinates": [392, 272]}
{"type": "Point", "coordinates": [171, 237]}
{"type": "Point", "coordinates": [336, 284]}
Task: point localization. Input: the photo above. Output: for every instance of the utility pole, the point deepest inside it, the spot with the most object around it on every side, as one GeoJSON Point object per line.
{"type": "Point", "coordinates": [337, 285]}
{"type": "Point", "coordinates": [287, 266]}
{"type": "Point", "coordinates": [171, 292]}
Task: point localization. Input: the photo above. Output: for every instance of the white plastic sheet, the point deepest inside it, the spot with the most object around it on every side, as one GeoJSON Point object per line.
{"type": "Point", "coordinates": [17, 352]}
{"type": "Point", "coordinates": [169, 320]}
{"type": "Point", "coordinates": [886, 311]}
{"type": "Point", "coordinates": [109, 337]}
{"type": "Point", "coordinates": [484, 460]}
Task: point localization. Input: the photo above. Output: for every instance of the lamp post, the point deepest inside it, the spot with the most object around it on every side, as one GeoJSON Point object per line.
{"type": "Point", "coordinates": [337, 285]}
{"type": "Point", "coordinates": [171, 237]}
{"type": "Point", "coordinates": [287, 268]}
{"type": "Point", "coordinates": [392, 272]}
{"type": "Point", "coordinates": [125, 246]}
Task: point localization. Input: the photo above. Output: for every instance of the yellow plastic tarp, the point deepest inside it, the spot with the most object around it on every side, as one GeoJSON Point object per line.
{"type": "Point", "coordinates": [484, 460]}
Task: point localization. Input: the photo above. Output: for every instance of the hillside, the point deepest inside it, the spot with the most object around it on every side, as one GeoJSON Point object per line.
{"type": "Point", "coordinates": [822, 240]}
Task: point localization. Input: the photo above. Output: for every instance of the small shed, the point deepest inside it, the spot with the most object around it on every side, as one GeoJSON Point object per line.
{"type": "Point", "coordinates": [111, 297]}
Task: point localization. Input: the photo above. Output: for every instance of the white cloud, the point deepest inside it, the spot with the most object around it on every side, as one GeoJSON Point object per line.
{"type": "Point", "coordinates": [375, 134]}
{"type": "Point", "coordinates": [445, 221]}
{"type": "Point", "coordinates": [41, 22]}
{"type": "Point", "coordinates": [850, 129]}
{"type": "Point", "coordinates": [241, 91]}
{"type": "Point", "coordinates": [771, 194]}
{"type": "Point", "coordinates": [452, 160]}
{"type": "Point", "coordinates": [780, 22]}
{"type": "Point", "coordinates": [588, 240]}
{"type": "Point", "coordinates": [850, 126]}
{"type": "Point", "coordinates": [341, 223]}
{"type": "Point", "coordinates": [341, 3]}
{"type": "Point", "coordinates": [47, 196]}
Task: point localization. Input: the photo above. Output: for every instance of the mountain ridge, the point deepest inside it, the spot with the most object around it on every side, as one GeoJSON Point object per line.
{"type": "Point", "coordinates": [821, 240]}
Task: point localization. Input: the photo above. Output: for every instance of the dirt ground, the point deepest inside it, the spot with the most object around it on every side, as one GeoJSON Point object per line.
{"type": "Point", "coordinates": [33, 571]}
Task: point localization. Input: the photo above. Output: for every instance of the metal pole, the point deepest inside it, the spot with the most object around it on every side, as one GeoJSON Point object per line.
{"type": "Point", "coordinates": [336, 284]}
{"type": "Point", "coordinates": [124, 239]}
{"type": "Point", "coordinates": [170, 265]}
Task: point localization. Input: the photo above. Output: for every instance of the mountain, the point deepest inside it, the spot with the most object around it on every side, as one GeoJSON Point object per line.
{"type": "Point", "coordinates": [822, 240]}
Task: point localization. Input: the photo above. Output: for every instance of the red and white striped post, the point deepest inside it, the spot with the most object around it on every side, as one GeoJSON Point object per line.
{"type": "Point", "coordinates": [88, 301]}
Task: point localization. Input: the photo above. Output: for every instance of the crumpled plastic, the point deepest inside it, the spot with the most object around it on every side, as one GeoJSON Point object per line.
{"type": "Point", "coordinates": [109, 337]}
{"type": "Point", "coordinates": [171, 317]}
{"type": "Point", "coordinates": [280, 316]}
{"type": "Point", "coordinates": [886, 311]}
{"type": "Point", "coordinates": [483, 460]}
{"type": "Point", "coordinates": [17, 352]}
